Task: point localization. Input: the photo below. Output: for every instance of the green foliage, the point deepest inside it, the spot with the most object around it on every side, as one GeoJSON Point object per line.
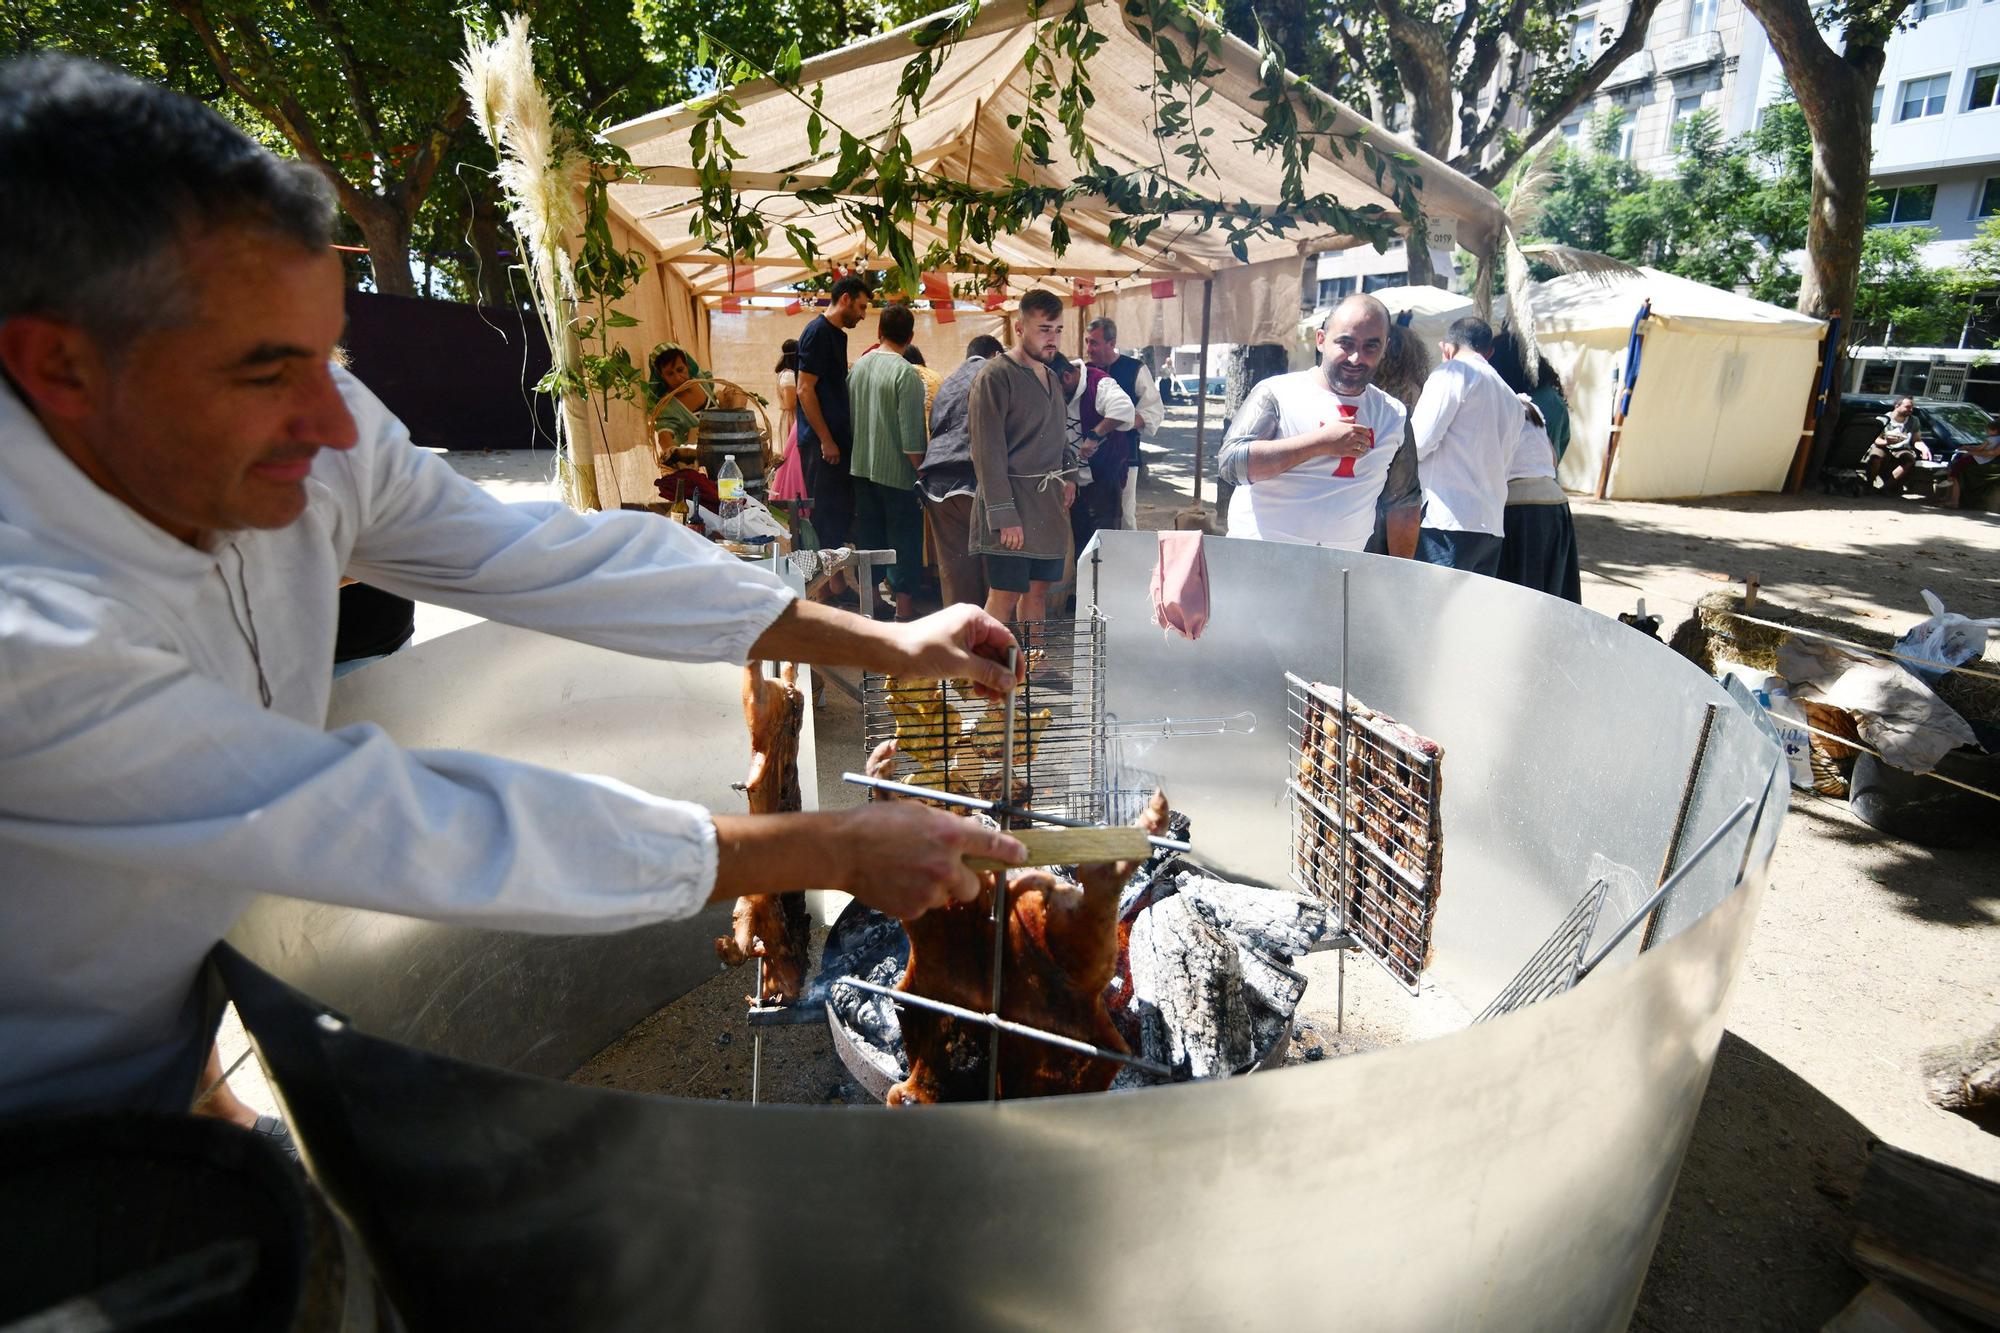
{"type": "Point", "coordinates": [876, 189]}
{"type": "Point", "coordinates": [1902, 299]}
{"type": "Point", "coordinates": [1726, 216]}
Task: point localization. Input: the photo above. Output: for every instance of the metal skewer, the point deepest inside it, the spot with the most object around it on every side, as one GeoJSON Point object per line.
{"type": "Point", "coordinates": [1000, 1025]}
{"type": "Point", "coordinates": [757, 1040]}
{"type": "Point", "coordinates": [995, 808]}
{"type": "Point", "coordinates": [1000, 885]}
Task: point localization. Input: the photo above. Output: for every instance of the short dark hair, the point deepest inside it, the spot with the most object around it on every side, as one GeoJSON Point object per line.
{"type": "Point", "coordinates": [102, 176]}
{"type": "Point", "coordinates": [985, 345]}
{"type": "Point", "coordinates": [1061, 364]}
{"type": "Point", "coordinates": [1041, 301]}
{"type": "Point", "coordinates": [1471, 332]}
{"type": "Point", "coordinates": [913, 355]}
{"type": "Point", "coordinates": [897, 324]}
{"type": "Point", "coordinates": [788, 356]}
{"type": "Point", "coordinates": [853, 284]}
{"type": "Point", "coordinates": [1105, 325]}
{"type": "Point", "coordinates": [666, 356]}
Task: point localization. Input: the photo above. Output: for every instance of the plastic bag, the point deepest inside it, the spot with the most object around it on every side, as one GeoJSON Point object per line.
{"type": "Point", "coordinates": [1944, 641]}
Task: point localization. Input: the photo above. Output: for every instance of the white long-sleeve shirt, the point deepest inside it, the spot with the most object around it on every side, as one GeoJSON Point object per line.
{"type": "Point", "coordinates": [1146, 396]}
{"type": "Point", "coordinates": [1467, 422]}
{"type": "Point", "coordinates": [147, 796]}
{"type": "Point", "coordinates": [1113, 405]}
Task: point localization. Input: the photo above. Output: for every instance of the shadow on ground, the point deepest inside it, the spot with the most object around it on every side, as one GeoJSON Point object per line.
{"type": "Point", "coordinates": [1934, 884]}
{"type": "Point", "coordinates": [1757, 1232]}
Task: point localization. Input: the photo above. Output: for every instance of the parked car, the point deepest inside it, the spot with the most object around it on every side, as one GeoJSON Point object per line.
{"type": "Point", "coordinates": [1181, 388]}
{"type": "Point", "coordinates": [1944, 426]}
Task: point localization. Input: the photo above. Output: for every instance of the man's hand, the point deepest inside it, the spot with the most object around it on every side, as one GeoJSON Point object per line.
{"type": "Point", "coordinates": [829, 450]}
{"type": "Point", "coordinates": [903, 858]}
{"type": "Point", "coordinates": [1069, 494]}
{"type": "Point", "coordinates": [1342, 439]}
{"type": "Point", "coordinates": [1013, 538]}
{"type": "Point", "coordinates": [958, 643]}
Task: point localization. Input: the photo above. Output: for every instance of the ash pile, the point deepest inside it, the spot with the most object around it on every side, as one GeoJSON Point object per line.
{"type": "Point", "coordinates": [1205, 984]}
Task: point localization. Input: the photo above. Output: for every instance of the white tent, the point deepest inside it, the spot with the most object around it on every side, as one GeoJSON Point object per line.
{"type": "Point", "coordinates": [1720, 402]}
{"type": "Point", "coordinates": [1182, 286]}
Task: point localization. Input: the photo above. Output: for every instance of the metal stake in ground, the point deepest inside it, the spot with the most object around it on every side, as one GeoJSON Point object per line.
{"type": "Point", "coordinates": [757, 1041]}
{"type": "Point", "coordinates": [1346, 721]}
{"type": "Point", "coordinates": [1000, 885]}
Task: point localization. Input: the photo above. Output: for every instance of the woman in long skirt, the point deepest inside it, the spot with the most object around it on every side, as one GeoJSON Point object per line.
{"type": "Point", "coordinates": [1538, 549]}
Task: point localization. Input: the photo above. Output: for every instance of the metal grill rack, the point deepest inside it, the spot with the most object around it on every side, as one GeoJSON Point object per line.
{"type": "Point", "coordinates": [1380, 866]}
{"type": "Point", "coordinates": [951, 739]}
{"type": "Point", "coordinates": [1559, 963]}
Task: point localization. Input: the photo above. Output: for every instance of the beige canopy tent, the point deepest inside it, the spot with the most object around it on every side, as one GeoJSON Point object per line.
{"type": "Point", "coordinates": [1182, 286]}
{"type": "Point", "coordinates": [1723, 386]}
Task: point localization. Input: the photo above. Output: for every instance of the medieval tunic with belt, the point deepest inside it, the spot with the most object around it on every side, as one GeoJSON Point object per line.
{"type": "Point", "coordinates": [1018, 420]}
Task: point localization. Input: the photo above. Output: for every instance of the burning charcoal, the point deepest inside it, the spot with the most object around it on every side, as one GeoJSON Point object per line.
{"type": "Point", "coordinates": [1191, 972]}
{"type": "Point", "coordinates": [1282, 924]}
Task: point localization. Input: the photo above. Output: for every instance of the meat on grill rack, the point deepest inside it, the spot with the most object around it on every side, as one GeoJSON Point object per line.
{"type": "Point", "coordinates": [774, 927]}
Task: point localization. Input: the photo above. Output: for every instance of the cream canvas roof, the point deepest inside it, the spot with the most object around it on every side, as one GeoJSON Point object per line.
{"type": "Point", "coordinates": [1581, 303]}
{"type": "Point", "coordinates": [962, 132]}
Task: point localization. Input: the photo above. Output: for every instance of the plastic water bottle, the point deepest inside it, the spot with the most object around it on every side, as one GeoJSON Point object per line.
{"type": "Point", "coordinates": [729, 491]}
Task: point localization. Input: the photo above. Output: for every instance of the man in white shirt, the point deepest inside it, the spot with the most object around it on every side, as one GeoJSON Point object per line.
{"type": "Point", "coordinates": [1099, 414]}
{"type": "Point", "coordinates": [1467, 422]}
{"type": "Point", "coordinates": [1135, 377]}
{"type": "Point", "coordinates": [184, 479]}
{"type": "Point", "coordinates": [1302, 451]}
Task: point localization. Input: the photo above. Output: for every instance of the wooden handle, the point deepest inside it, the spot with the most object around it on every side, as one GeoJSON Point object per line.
{"type": "Point", "coordinates": [1074, 846]}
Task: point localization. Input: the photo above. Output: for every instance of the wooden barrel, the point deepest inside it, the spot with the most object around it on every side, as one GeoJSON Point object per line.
{"type": "Point", "coordinates": [732, 433]}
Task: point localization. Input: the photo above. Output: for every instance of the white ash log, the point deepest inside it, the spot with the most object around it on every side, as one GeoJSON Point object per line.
{"type": "Point", "coordinates": [1191, 972]}
{"type": "Point", "coordinates": [1282, 924]}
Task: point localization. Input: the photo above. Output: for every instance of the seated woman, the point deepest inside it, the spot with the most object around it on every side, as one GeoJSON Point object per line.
{"type": "Point", "coordinates": [680, 390]}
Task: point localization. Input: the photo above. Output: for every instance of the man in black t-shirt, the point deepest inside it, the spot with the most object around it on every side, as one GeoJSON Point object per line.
{"type": "Point", "coordinates": [826, 432]}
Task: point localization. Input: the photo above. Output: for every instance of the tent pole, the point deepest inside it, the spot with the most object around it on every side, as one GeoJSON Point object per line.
{"type": "Point", "coordinates": [1201, 388]}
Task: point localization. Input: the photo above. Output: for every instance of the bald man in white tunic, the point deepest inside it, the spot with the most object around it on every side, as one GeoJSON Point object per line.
{"type": "Point", "coordinates": [1302, 450]}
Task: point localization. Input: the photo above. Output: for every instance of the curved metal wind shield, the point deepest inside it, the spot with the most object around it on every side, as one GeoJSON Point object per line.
{"type": "Point", "coordinates": [1509, 1175]}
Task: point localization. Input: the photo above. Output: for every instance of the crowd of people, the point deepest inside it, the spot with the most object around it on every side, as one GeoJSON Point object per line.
{"type": "Point", "coordinates": [994, 476]}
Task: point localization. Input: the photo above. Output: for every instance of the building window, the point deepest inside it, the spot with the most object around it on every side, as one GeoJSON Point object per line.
{"type": "Point", "coordinates": [1701, 17]}
{"type": "Point", "coordinates": [1901, 203]}
{"type": "Point", "coordinates": [1684, 109]}
{"type": "Point", "coordinates": [1573, 133]}
{"type": "Point", "coordinates": [1923, 97]}
{"type": "Point", "coordinates": [1375, 282]}
{"type": "Point", "coordinates": [1989, 199]}
{"type": "Point", "coordinates": [1875, 107]}
{"type": "Point", "coordinates": [1627, 141]}
{"type": "Point", "coordinates": [1984, 88]}
{"type": "Point", "coordinates": [1926, 8]}
{"type": "Point", "coordinates": [1583, 39]}
{"type": "Point", "coordinates": [1335, 289]}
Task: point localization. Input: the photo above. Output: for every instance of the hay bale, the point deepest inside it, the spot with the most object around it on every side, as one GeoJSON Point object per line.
{"type": "Point", "coordinates": [1715, 631]}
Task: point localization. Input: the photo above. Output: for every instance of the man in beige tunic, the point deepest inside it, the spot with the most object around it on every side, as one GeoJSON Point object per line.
{"type": "Point", "coordinates": [1020, 523]}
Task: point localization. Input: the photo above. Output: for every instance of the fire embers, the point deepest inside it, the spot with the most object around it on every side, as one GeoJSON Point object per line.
{"type": "Point", "coordinates": [1205, 984]}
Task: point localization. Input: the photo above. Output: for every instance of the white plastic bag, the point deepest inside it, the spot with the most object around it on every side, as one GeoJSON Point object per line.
{"type": "Point", "coordinates": [1944, 641]}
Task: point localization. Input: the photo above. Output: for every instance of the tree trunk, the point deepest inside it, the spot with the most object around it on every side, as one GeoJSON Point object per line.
{"type": "Point", "coordinates": [1249, 364]}
{"type": "Point", "coordinates": [490, 268]}
{"type": "Point", "coordinates": [1425, 67]}
{"type": "Point", "coordinates": [1834, 92]}
{"type": "Point", "coordinates": [386, 229]}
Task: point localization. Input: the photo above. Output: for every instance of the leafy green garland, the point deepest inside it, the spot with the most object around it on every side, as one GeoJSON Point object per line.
{"type": "Point", "coordinates": [881, 193]}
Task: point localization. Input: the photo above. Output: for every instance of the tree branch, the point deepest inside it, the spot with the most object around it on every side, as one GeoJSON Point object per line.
{"type": "Point", "coordinates": [280, 108]}
{"type": "Point", "coordinates": [360, 96]}
{"type": "Point", "coordinates": [1476, 141]}
{"type": "Point", "coordinates": [1631, 40]}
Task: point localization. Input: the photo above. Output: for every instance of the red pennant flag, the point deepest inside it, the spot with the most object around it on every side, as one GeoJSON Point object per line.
{"type": "Point", "coordinates": [936, 287]}
{"type": "Point", "coordinates": [996, 297]}
{"type": "Point", "coordinates": [794, 308]}
{"type": "Point", "coordinates": [732, 305]}
{"type": "Point", "coordinates": [1083, 291]}
{"type": "Point", "coordinates": [1163, 289]}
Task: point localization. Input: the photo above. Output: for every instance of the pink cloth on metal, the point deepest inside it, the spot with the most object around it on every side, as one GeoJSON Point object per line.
{"type": "Point", "coordinates": [790, 483]}
{"type": "Point", "coordinates": [1180, 585]}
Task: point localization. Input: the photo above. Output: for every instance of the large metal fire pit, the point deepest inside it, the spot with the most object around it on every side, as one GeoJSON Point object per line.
{"type": "Point", "coordinates": [1510, 1175]}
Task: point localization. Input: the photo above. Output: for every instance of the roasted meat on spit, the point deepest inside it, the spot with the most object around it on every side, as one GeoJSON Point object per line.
{"type": "Point", "coordinates": [1061, 951]}
{"type": "Point", "coordinates": [774, 927]}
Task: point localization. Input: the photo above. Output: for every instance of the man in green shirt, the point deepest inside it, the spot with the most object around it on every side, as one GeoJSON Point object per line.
{"type": "Point", "coordinates": [886, 397]}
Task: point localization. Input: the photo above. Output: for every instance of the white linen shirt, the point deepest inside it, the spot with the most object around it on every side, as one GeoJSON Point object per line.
{"type": "Point", "coordinates": [1113, 405]}
{"type": "Point", "coordinates": [1467, 422]}
{"type": "Point", "coordinates": [147, 797]}
{"type": "Point", "coordinates": [1308, 504]}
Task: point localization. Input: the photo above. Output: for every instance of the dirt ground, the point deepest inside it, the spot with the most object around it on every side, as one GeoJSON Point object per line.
{"type": "Point", "coordinates": [1867, 950]}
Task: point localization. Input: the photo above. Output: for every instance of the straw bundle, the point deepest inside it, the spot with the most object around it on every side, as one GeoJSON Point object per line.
{"type": "Point", "coordinates": [542, 174]}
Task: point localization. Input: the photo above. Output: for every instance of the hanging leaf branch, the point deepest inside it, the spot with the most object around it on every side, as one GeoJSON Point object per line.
{"type": "Point", "coordinates": [875, 189]}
